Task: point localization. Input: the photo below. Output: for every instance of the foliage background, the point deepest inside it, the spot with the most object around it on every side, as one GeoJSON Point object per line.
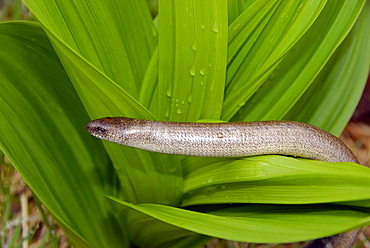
{"type": "Point", "coordinates": [175, 113]}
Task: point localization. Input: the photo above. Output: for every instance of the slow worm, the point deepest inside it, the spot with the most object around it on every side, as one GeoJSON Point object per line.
{"type": "Point", "coordinates": [237, 139]}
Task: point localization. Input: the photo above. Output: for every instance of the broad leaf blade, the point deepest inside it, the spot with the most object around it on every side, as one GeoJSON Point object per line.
{"type": "Point", "coordinates": [146, 231]}
{"type": "Point", "coordinates": [137, 170]}
{"type": "Point", "coordinates": [259, 223]}
{"type": "Point", "coordinates": [337, 89]}
{"type": "Point", "coordinates": [261, 54]}
{"type": "Point", "coordinates": [101, 96]}
{"type": "Point", "coordinates": [275, 180]}
{"type": "Point", "coordinates": [235, 8]}
{"type": "Point", "coordinates": [42, 132]}
{"type": "Point", "coordinates": [117, 37]}
{"type": "Point", "coordinates": [300, 67]}
{"type": "Point", "coordinates": [192, 59]}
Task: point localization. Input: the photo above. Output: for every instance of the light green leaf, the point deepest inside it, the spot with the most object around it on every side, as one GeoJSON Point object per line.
{"type": "Point", "coordinates": [275, 180]}
{"type": "Point", "coordinates": [111, 54]}
{"type": "Point", "coordinates": [43, 133]}
{"type": "Point", "coordinates": [235, 8]}
{"type": "Point", "coordinates": [257, 56]}
{"type": "Point", "coordinates": [97, 72]}
{"type": "Point", "coordinates": [258, 223]}
{"type": "Point", "coordinates": [192, 59]}
{"type": "Point", "coordinates": [337, 89]}
{"type": "Point", "coordinates": [117, 37]}
{"type": "Point", "coordinates": [301, 66]}
{"type": "Point", "coordinates": [101, 96]}
{"type": "Point", "coordinates": [148, 89]}
{"type": "Point", "coordinates": [244, 32]}
{"type": "Point", "coordinates": [131, 164]}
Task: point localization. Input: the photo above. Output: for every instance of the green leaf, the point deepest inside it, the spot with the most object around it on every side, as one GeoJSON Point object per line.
{"type": "Point", "coordinates": [253, 58]}
{"type": "Point", "coordinates": [235, 8]}
{"type": "Point", "coordinates": [146, 231]}
{"type": "Point", "coordinates": [192, 59]}
{"type": "Point", "coordinates": [119, 67]}
{"type": "Point", "coordinates": [274, 180]}
{"type": "Point", "coordinates": [43, 133]}
{"type": "Point", "coordinates": [337, 89]}
{"type": "Point", "coordinates": [258, 223]}
{"type": "Point", "coordinates": [148, 89]}
{"type": "Point", "coordinates": [98, 66]}
{"type": "Point", "coordinates": [117, 37]}
{"type": "Point", "coordinates": [301, 66]}
{"type": "Point", "coordinates": [101, 95]}
{"type": "Point", "coordinates": [132, 165]}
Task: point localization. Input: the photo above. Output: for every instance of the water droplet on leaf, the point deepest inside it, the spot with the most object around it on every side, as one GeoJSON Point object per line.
{"type": "Point", "coordinates": [190, 98]}
{"type": "Point", "coordinates": [172, 169]}
{"type": "Point", "coordinates": [194, 47]}
{"type": "Point", "coordinates": [192, 70]}
{"type": "Point", "coordinates": [169, 91]}
{"type": "Point", "coordinates": [215, 27]}
{"type": "Point", "coordinates": [211, 188]}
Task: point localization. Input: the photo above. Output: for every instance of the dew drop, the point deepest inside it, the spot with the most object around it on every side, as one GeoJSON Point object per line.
{"type": "Point", "coordinates": [241, 104]}
{"type": "Point", "coordinates": [202, 83]}
{"type": "Point", "coordinates": [167, 114]}
{"type": "Point", "coordinates": [215, 27]}
{"type": "Point", "coordinates": [202, 71]}
{"type": "Point", "coordinates": [190, 98]}
{"type": "Point", "coordinates": [194, 46]}
{"type": "Point", "coordinates": [209, 64]}
{"type": "Point", "coordinates": [169, 91]}
{"type": "Point", "coordinates": [211, 188]}
{"type": "Point", "coordinates": [179, 111]}
{"type": "Point", "coordinates": [172, 169]}
{"type": "Point", "coordinates": [203, 26]}
{"type": "Point", "coordinates": [192, 70]}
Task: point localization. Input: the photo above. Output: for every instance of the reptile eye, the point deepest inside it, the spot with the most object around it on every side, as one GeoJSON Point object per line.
{"type": "Point", "coordinates": [100, 130]}
{"type": "Point", "coordinates": [97, 130]}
